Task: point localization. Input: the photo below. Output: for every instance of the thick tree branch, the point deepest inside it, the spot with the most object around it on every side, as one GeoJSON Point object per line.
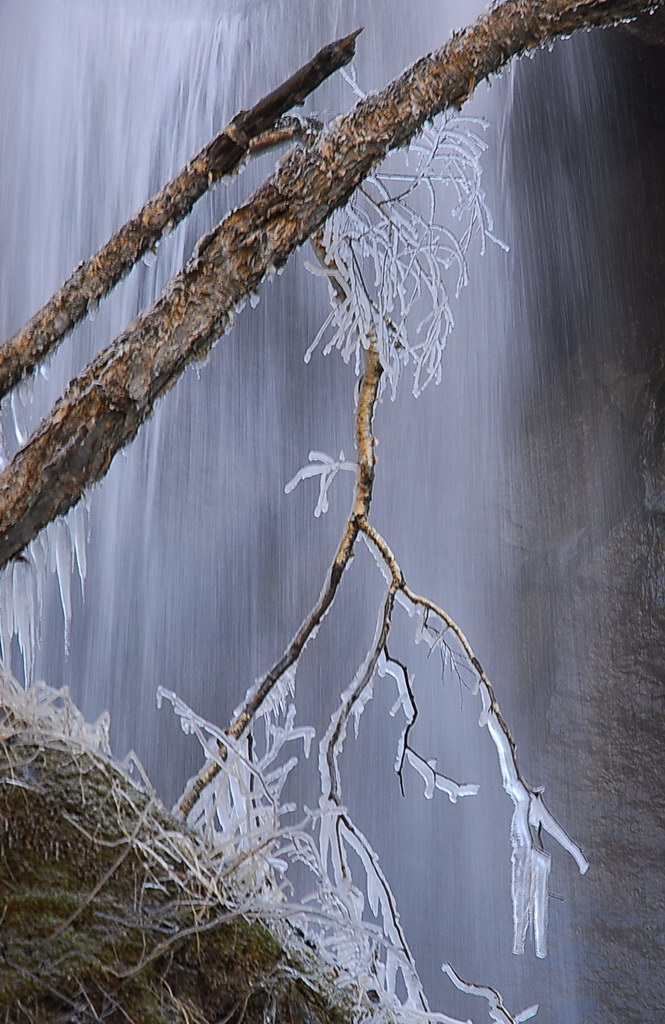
{"type": "Point", "coordinates": [249, 131]}
{"type": "Point", "coordinates": [103, 409]}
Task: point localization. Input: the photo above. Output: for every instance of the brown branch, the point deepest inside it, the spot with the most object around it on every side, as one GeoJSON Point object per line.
{"type": "Point", "coordinates": [411, 713]}
{"type": "Point", "coordinates": [103, 408]}
{"type": "Point", "coordinates": [400, 584]}
{"type": "Point", "coordinates": [287, 129]}
{"type": "Point", "coordinates": [366, 405]}
{"type": "Point", "coordinates": [96, 276]}
{"type": "Point", "coordinates": [336, 734]}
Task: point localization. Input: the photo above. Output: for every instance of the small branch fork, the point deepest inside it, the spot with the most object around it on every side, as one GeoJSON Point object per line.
{"type": "Point", "coordinates": [365, 442]}
{"type": "Point", "coordinates": [399, 584]}
{"type": "Point", "coordinates": [357, 523]}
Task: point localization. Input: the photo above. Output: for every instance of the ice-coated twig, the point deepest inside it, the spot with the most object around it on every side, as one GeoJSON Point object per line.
{"type": "Point", "coordinates": [353, 698]}
{"type": "Point", "coordinates": [365, 407]}
{"type": "Point", "coordinates": [327, 468]}
{"type": "Point", "coordinates": [497, 1010]}
{"type": "Point", "coordinates": [530, 862]}
{"type": "Point", "coordinates": [338, 833]}
{"type": "Point", "coordinates": [254, 850]}
{"type": "Point", "coordinates": [395, 263]}
{"type": "Point", "coordinates": [241, 809]}
{"type": "Point", "coordinates": [425, 766]}
{"type": "Point", "coordinates": [433, 779]}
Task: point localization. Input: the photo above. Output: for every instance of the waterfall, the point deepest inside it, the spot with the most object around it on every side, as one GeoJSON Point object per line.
{"type": "Point", "coordinates": [507, 492]}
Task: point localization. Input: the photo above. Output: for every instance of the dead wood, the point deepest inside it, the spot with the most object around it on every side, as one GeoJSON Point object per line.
{"type": "Point", "coordinates": [104, 407]}
{"type": "Point", "coordinates": [96, 276]}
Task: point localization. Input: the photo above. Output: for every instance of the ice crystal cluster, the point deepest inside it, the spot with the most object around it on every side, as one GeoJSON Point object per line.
{"type": "Point", "coordinates": [393, 259]}
{"type": "Point", "coordinates": [50, 715]}
{"type": "Point", "coordinates": [349, 913]}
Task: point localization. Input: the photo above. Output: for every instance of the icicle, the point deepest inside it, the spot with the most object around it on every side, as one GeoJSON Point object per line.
{"type": "Point", "coordinates": [23, 601]}
{"type": "Point", "coordinates": [61, 555]}
{"type": "Point", "coordinates": [76, 522]}
{"type": "Point", "coordinates": [530, 863]}
{"type": "Point", "coordinates": [6, 614]}
{"type": "Point", "coordinates": [19, 432]}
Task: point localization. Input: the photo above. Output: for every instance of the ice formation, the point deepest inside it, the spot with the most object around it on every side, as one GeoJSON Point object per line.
{"type": "Point", "coordinates": [393, 265]}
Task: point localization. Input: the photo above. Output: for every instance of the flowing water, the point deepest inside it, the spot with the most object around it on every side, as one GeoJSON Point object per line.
{"type": "Point", "coordinates": [524, 494]}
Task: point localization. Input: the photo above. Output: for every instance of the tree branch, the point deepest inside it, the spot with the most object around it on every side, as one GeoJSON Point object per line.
{"type": "Point", "coordinates": [332, 742]}
{"type": "Point", "coordinates": [103, 409]}
{"type": "Point", "coordinates": [530, 862]}
{"type": "Point", "coordinates": [366, 405]}
{"type": "Point", "coordinates": [249, 131]}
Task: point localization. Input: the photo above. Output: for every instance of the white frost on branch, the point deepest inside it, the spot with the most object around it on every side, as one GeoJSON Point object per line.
{"type": "Point", "coordinates": [325, 467]}
{"type": "Point", "coordinates": [497, 1011]}
{"type": "Point", "coordinates": [42, 711]}
{"type": "Point", "coordinates": [434, 779]}
{"type": "Point", "coordinates": [391, 261]}
{"type": "Point", "coordinates": [241, 810]}
{"type": "Point", "coordinates": [245, 819]}
{"type": "Point", "coordinates": [425, 767]}
{"type": "Point", "coordinates": [530, 862]}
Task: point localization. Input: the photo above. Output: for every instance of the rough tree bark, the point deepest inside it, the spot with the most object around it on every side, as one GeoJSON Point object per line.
{"type": "Point", "coordinates": [95, 277]}
{"type": "Point", "coordinates": [103, 408]}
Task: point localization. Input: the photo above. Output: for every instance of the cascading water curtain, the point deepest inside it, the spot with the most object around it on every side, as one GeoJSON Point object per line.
{"type": "Point", "coordinates": [189, 569]}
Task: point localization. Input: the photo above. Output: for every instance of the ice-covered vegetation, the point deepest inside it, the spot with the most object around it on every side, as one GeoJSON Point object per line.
{"type": "Point", "coordinates": [394, 258]}
{"type": "Point", "coordinates": [396, 254]}
{"type": "Point", "coordinates": [388, 257]}
{"type": "Point", "coordinates": [387, 260]}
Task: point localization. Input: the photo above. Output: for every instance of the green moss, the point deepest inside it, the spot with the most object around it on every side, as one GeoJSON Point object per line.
{"type": "Point", "coordinates": [80, 935]}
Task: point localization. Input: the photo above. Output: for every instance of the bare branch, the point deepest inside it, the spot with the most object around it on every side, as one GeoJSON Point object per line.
{"type": "Point", "coordinates": [366, 405]}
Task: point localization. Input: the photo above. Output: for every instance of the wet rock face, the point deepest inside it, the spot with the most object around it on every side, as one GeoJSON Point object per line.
{"type": "Point", "coordinates": [649, 28]}
{"type": "Point", "coordinates": [591, 451]}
